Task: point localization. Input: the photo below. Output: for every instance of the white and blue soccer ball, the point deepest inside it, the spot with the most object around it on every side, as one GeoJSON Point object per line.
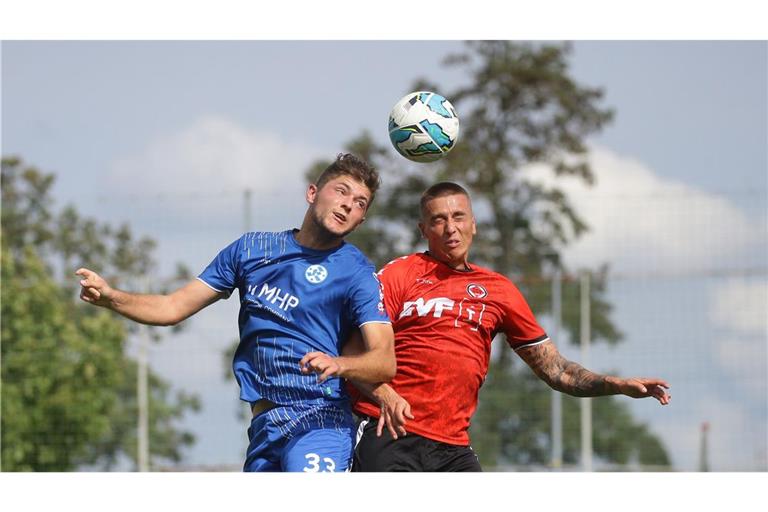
{"type": "Point", "coordinates": [423, 126]}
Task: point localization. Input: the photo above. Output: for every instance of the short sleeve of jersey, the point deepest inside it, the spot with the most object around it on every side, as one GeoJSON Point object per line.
{"type": "Point", "coordinates": [392, 277]}
{"type": "Point", "coordinates": [366, 298]}
{"type": "Point", "coordinates": [221, 273]}
{"type": "Point", "coordinates": [519, 324]}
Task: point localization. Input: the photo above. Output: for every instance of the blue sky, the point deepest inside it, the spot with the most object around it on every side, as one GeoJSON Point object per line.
{"type": "Point", "coordinates": [145, 132]}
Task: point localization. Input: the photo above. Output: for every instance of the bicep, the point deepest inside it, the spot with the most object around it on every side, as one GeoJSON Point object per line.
{"type": "Point", "coordinates": [378, 335]}
{"type": "Point", "coordinates": [193, 297]}
{"type": "Point", "coordinates": [353, 346]}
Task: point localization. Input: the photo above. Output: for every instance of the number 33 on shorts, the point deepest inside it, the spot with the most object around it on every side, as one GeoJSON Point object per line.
{"type": "Point", "coordinates": [316, 464]}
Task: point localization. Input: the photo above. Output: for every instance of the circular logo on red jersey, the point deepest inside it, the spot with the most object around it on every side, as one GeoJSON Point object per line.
{"type": "Point", "coordinates": [476, 291]}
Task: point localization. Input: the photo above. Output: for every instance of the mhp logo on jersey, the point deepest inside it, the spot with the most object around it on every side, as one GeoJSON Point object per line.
{"type": "Point", "coordinates": [316, 274]}
{"type": "Point", "coordinates": [283, 300]}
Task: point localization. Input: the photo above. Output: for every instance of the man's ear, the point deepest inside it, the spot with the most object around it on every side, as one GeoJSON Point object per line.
{"type": "Point", "coordinates": [421, 230]}
{"type": "Point", "coordinates": [311, 193]}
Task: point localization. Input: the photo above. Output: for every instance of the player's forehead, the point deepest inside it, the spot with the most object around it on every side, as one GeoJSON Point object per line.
{"type": "Point", "coordinates": [450, 203]}
{"type": "Point", "coordinates": [357, 187]}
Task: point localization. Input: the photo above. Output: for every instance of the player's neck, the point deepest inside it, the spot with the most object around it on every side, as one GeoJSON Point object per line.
{"type": "Point", "coordinates": [461, 265]}
{"type": "Point", "coordinates": [313, 239]}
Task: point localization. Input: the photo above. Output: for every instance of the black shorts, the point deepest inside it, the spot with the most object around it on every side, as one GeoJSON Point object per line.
{"type": "Point", "coordinates": [410, 453]}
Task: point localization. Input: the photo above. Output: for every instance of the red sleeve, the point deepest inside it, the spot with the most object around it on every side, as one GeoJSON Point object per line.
{"type": "Point", "coordinates": [520, 325]}
{"type": "Point", "coordinates": [392, 280]}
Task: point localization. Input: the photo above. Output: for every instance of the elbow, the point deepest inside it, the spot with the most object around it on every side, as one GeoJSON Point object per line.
{"type": "Point", "coordinates": [174, 317]}
{"type": "Point", "coordinates": [390, 371]}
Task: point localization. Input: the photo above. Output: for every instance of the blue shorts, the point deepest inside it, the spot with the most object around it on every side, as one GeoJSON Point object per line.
{"type": "Point", "coordinates": [301, 438]}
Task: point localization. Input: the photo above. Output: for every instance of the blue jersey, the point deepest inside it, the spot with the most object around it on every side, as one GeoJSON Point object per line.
{"type": "Point", "coordinates": [293, 300]}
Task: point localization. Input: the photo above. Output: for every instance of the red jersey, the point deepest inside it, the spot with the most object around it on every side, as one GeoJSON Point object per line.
{"type": "Point", "coordinates": [444, 322]}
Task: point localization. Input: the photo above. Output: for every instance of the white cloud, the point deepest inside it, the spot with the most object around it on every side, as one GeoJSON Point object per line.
{"type": "Point", "coordinates": [741, 305]}
{"type": "Point", "coordinates": [642, 222]}
{"type": "Point", "coordinates": [738, 310]}
{"type": "Point", "coordinates": [202, 171]}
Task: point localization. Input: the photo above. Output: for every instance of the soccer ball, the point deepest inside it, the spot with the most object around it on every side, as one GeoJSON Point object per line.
{"type": "Point", "coordinates": [423, 126]}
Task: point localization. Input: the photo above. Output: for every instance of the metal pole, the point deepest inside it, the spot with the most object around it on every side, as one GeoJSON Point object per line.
{"type": "Point", "coordinates": [703, 457]}
{"type": "Point", "coordinates": [585, 403]}
{"type": "Point", "coordinates": [557, 397]}
{"type": "Point", "coordinates": [143, 396]}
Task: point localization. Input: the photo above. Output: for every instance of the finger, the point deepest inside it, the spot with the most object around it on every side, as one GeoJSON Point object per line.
{"type": "Point", "coordinates": [380, 425]}
{"type": "Point", "coordinates": [310, 356]}
{"type": "Point", "coordinates": [660, 395]}
{"type": "Point", "coordinates": [664, 396]}
{"type": "Point", "coordinates": [329, 372]}
{"type": "Point", "coordinates": [91, 293]}
{"type": "Point", "coordinates": [391, 427]}
{"type": "Point", "coordinates": [88, 277]}
{"type": "Point", "coordinates": [83, 272]}
{"type": "Point", "coordinates": [659, 391]}
{"type": "Point", "coordinates": [655, 382]}
{"type": "Point", "coordinates": [400, 422]}
{"type": "Point", "coordinates": [392, 431]}
{"type": "Point", "coordinates": [319, 360]}
{"type": "Point", "coordinates": [407, 411]}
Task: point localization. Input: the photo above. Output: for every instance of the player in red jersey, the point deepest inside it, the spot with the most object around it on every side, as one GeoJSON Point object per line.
{"type": "Point", "coordinates": [445, 313]}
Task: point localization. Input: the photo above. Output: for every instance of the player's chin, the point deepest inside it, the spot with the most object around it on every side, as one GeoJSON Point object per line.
{"type": "Point", "coordinates": [455, 254]}
{"type": "Point", "coordinates": [340, 230]}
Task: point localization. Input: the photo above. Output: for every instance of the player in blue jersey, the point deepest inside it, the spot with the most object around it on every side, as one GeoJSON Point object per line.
{"type": "Point", "coordinates": [301, 293]}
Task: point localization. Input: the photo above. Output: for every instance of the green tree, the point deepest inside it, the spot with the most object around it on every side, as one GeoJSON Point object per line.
{"type": "Point", "coordinates": [68, 387]}
{"type": "Point", "coordinates": [520, 107]}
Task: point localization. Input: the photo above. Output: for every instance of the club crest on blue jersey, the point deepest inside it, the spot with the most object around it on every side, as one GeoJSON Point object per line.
{"type": "Point", "coordinates": [316, 274]}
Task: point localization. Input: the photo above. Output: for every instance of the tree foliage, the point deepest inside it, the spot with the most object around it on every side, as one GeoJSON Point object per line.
{"type": "Point", "coordinates": [68, 385]}
{"type": "Point", "coordinates": [520, 107]}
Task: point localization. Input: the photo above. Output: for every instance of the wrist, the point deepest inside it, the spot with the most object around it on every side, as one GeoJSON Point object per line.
{"type": "Point", "coordinates": [342, 363]}
{"type": "Point", "coordinates": [114, 299]}
{"type": "Point", "coordinates": [381, 393]}
{"type": "Point", "coordinates": [613, 384]}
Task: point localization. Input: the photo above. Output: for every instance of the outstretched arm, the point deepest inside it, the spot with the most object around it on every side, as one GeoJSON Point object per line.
{"type": "Point", "coordinates": [571, 378]}
{"type": "Point", "coordinates": [147, 309]}
{"type": "Point", "coordinates": [375, 364]}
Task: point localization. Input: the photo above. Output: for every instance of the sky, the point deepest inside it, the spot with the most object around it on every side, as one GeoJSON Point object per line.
{"type": "Point", "coordinates": [146, 132]}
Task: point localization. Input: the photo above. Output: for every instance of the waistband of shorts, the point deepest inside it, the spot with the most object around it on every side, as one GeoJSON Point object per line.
{"type": "Point", "coordinates": [260, 406]}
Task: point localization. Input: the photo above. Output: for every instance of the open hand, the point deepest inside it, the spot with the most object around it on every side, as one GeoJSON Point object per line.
{"type": "Point", "coordinates": [394, 411]}
{"type": "Point", "coordinates": [643, 387]}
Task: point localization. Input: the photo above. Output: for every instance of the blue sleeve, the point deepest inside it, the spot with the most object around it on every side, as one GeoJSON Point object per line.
{"type": "Point", "coordinates": [367, 298]}
{"type": "Point", "coordinates": [222, 273]}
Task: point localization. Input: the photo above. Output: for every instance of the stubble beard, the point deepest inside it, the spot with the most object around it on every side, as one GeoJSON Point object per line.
{"type": "Point", "coordinates": [324, 234]}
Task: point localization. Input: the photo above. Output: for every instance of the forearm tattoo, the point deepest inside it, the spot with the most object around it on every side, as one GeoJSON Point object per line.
{"type": "Point", "coordinates": [564, 375]}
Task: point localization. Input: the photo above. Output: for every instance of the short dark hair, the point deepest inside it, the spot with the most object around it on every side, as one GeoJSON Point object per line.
{"type": "Point", "coordinates": [347, 164]}
{"type": "Point", "coordinates": [444, 188]}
